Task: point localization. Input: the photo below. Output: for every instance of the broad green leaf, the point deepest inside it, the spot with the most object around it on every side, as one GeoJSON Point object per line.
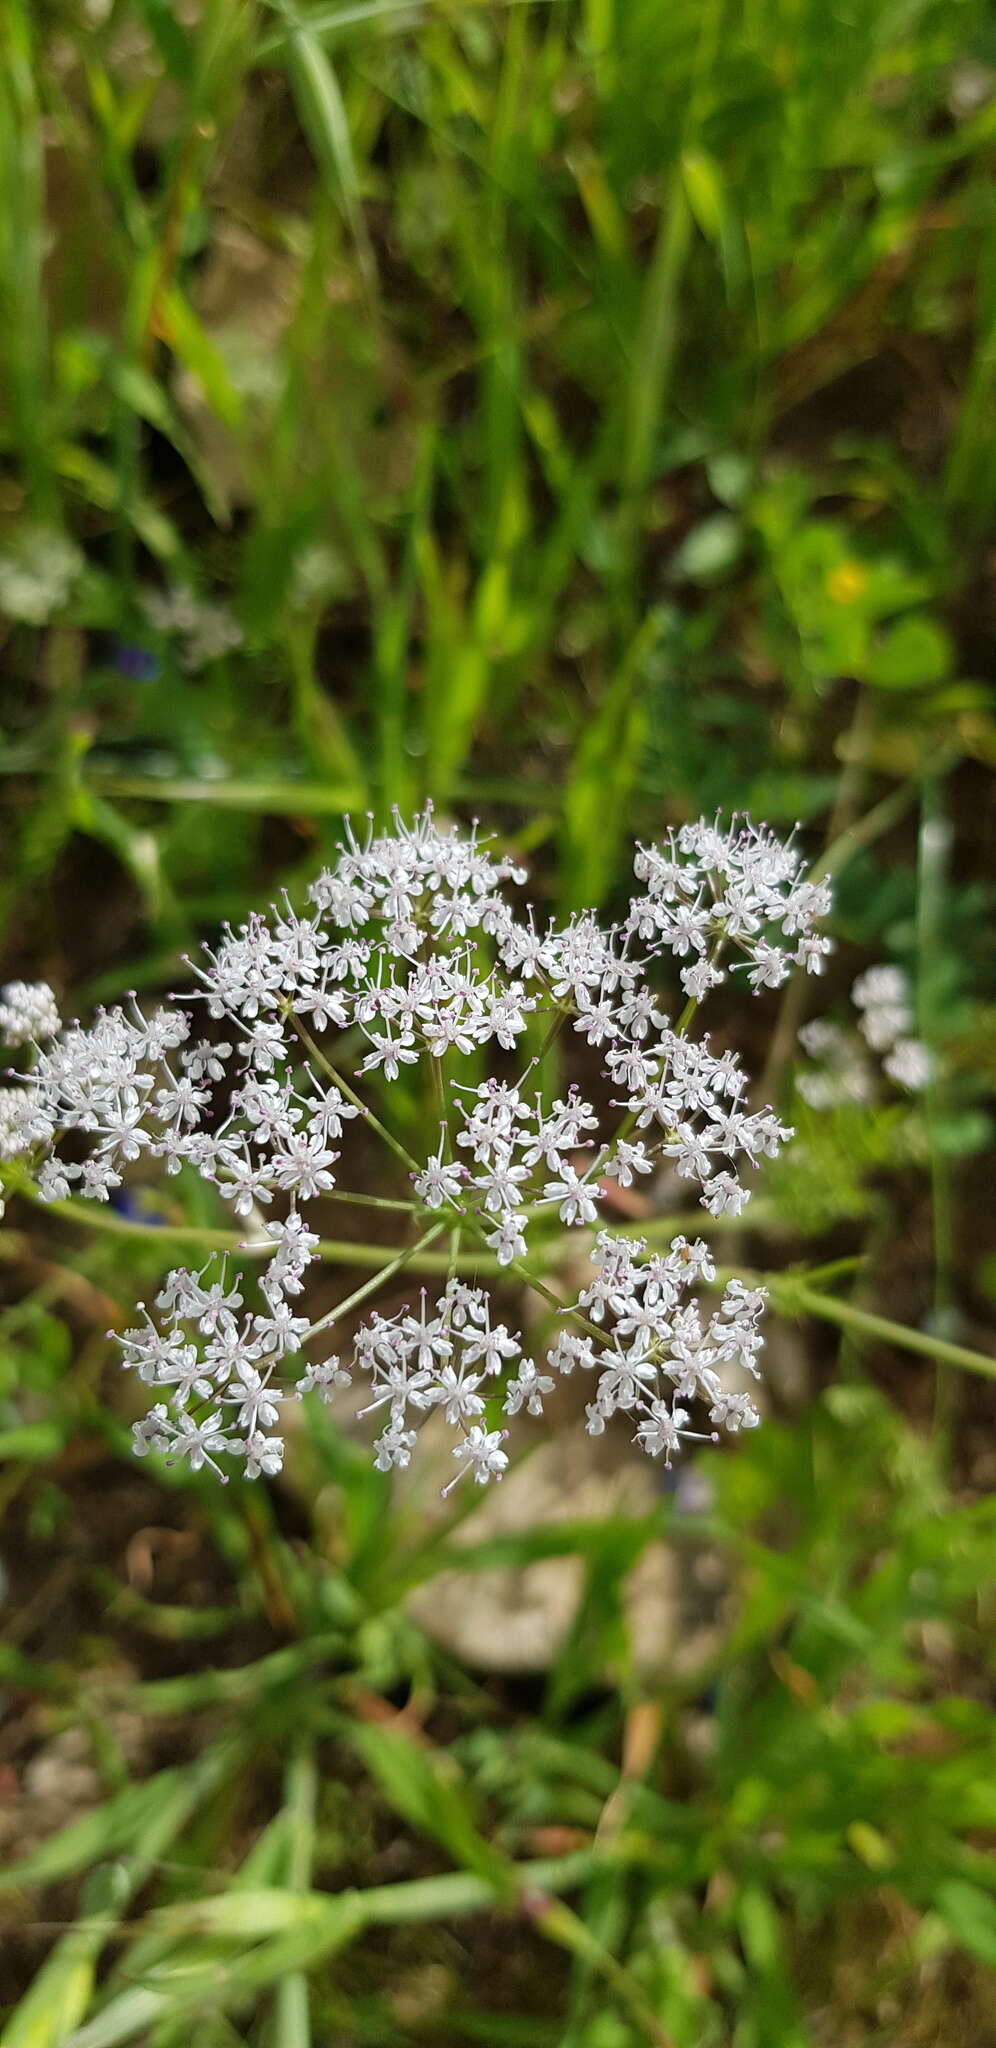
{"type": "Point", "coordinates": [970, 1914]}
{"type": "Point", "coordinates": [914, 654]}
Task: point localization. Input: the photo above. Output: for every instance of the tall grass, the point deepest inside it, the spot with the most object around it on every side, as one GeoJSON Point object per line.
{"type": "Point", "coordinates": [546, 291]}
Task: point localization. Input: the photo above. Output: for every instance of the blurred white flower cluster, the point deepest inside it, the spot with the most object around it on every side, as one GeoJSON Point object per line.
{"type": "Point", "coordinates": [39, 570]}
{"type": "Point", "coordinates": [410, 955]}
{"type": "Point", "coordinates": [884, 998]}
{"type": "Point", "coordinates": [842, 1071]}
{"type": "Point", "coordinates": [28, 1013]}
{"type": "Point", "coordinates": [203, 629]}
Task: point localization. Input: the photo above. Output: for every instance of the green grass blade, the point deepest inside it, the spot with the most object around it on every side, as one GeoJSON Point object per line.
{"type": "Point", "coordinates": [604, 774]}
{"type": "Point", "coordinates": [291, 2010]}
{"type": "Point", "coordinates": [61, 1993]}
{"type": "Point", "coordinates": [323, 117]}
{"type": "Point", "coordinates": [24, 338]}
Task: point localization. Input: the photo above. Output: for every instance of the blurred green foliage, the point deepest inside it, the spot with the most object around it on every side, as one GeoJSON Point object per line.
{"type": "Point", "coordinates": [381, 379]}
{"type": "Point", "coordinates": [581, 412]}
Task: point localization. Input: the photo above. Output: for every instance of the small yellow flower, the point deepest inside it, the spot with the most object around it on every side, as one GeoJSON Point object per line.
{"type": "Point", "coordinates": [846, 583]}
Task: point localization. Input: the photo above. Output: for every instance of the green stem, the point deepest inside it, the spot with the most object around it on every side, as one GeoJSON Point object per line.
{"type": "Point", "coordinates": [561, 1308]}
{"type": "Point", "coordinates": [559, 1016]}
{"type": "Point", "coordinates": [795, 1294]}
{"type": "Point", "coordinates": [536, 1886]}
{"type": "Point", "coordinates": [817, 1276]}
{"type": "Point", "coordinates": [300, 1799]}
{"type": "Point", "coordinates": [333, 1251]}
{"type": "Point", "coordinates": [395, 1265]}
{"type": "Point", "coordinates": [791, 1291]}
{"type": "Point", "coordinates": [459, 1891]}
{"type": "Point", "coordinates": [755, 1217]}
{"type": "Point", "coordinates": [454, 1251]}
{"type": "Point", "coordinates": [349, 1092]}
{"type": "Point", "coordinates": [690, 1008]}
{"type": "Point", "coordinates": [932, 863]}
{"type": "Point", "coordinates": [241, 1686]}
{"type": "Point", "coordinates": [875, 823]}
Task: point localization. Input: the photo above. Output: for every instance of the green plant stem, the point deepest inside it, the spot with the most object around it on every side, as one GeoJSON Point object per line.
{"type": "Point", "coordinates": [560, 1308]}
{"type": "Point", "coordinates": [395, 1265]}
{"type": "Point", "coordinates": [454, 1251]}
{"type": "Point", "coordinates": [790, 1290]}
{"type": "Point", "coordinates": [459, 1891]}
{"type": "Point", "coordinates": [864, 831]}
{"type": "Point", "coordinates": [536, 1886]}
{"type": "Point", "coordinates": [332, 1251]}
{"type": "Point", "coordinates": [792, 1293]}
{"type": "Point", "coordinates": [817, 1276]}
{"type": "Point", "coordinates": [241, 1686]}
{"type": "Point", "coordinates": [693, 1001]}
{"type": "Point", "coordinates": [553, 1031]}
{"type": "Point", "coordinates": [339, 1081]}
{"type": "Point", "coordinates": [933, 852]}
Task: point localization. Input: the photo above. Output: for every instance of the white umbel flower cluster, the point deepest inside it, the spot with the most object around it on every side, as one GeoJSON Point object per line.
{"type": "Point", "coordinates": [411, 956]}
{"type": "Point", "coordinates": [745, 888]}
{"type": "Point", "coordinates": [650, 1348]}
